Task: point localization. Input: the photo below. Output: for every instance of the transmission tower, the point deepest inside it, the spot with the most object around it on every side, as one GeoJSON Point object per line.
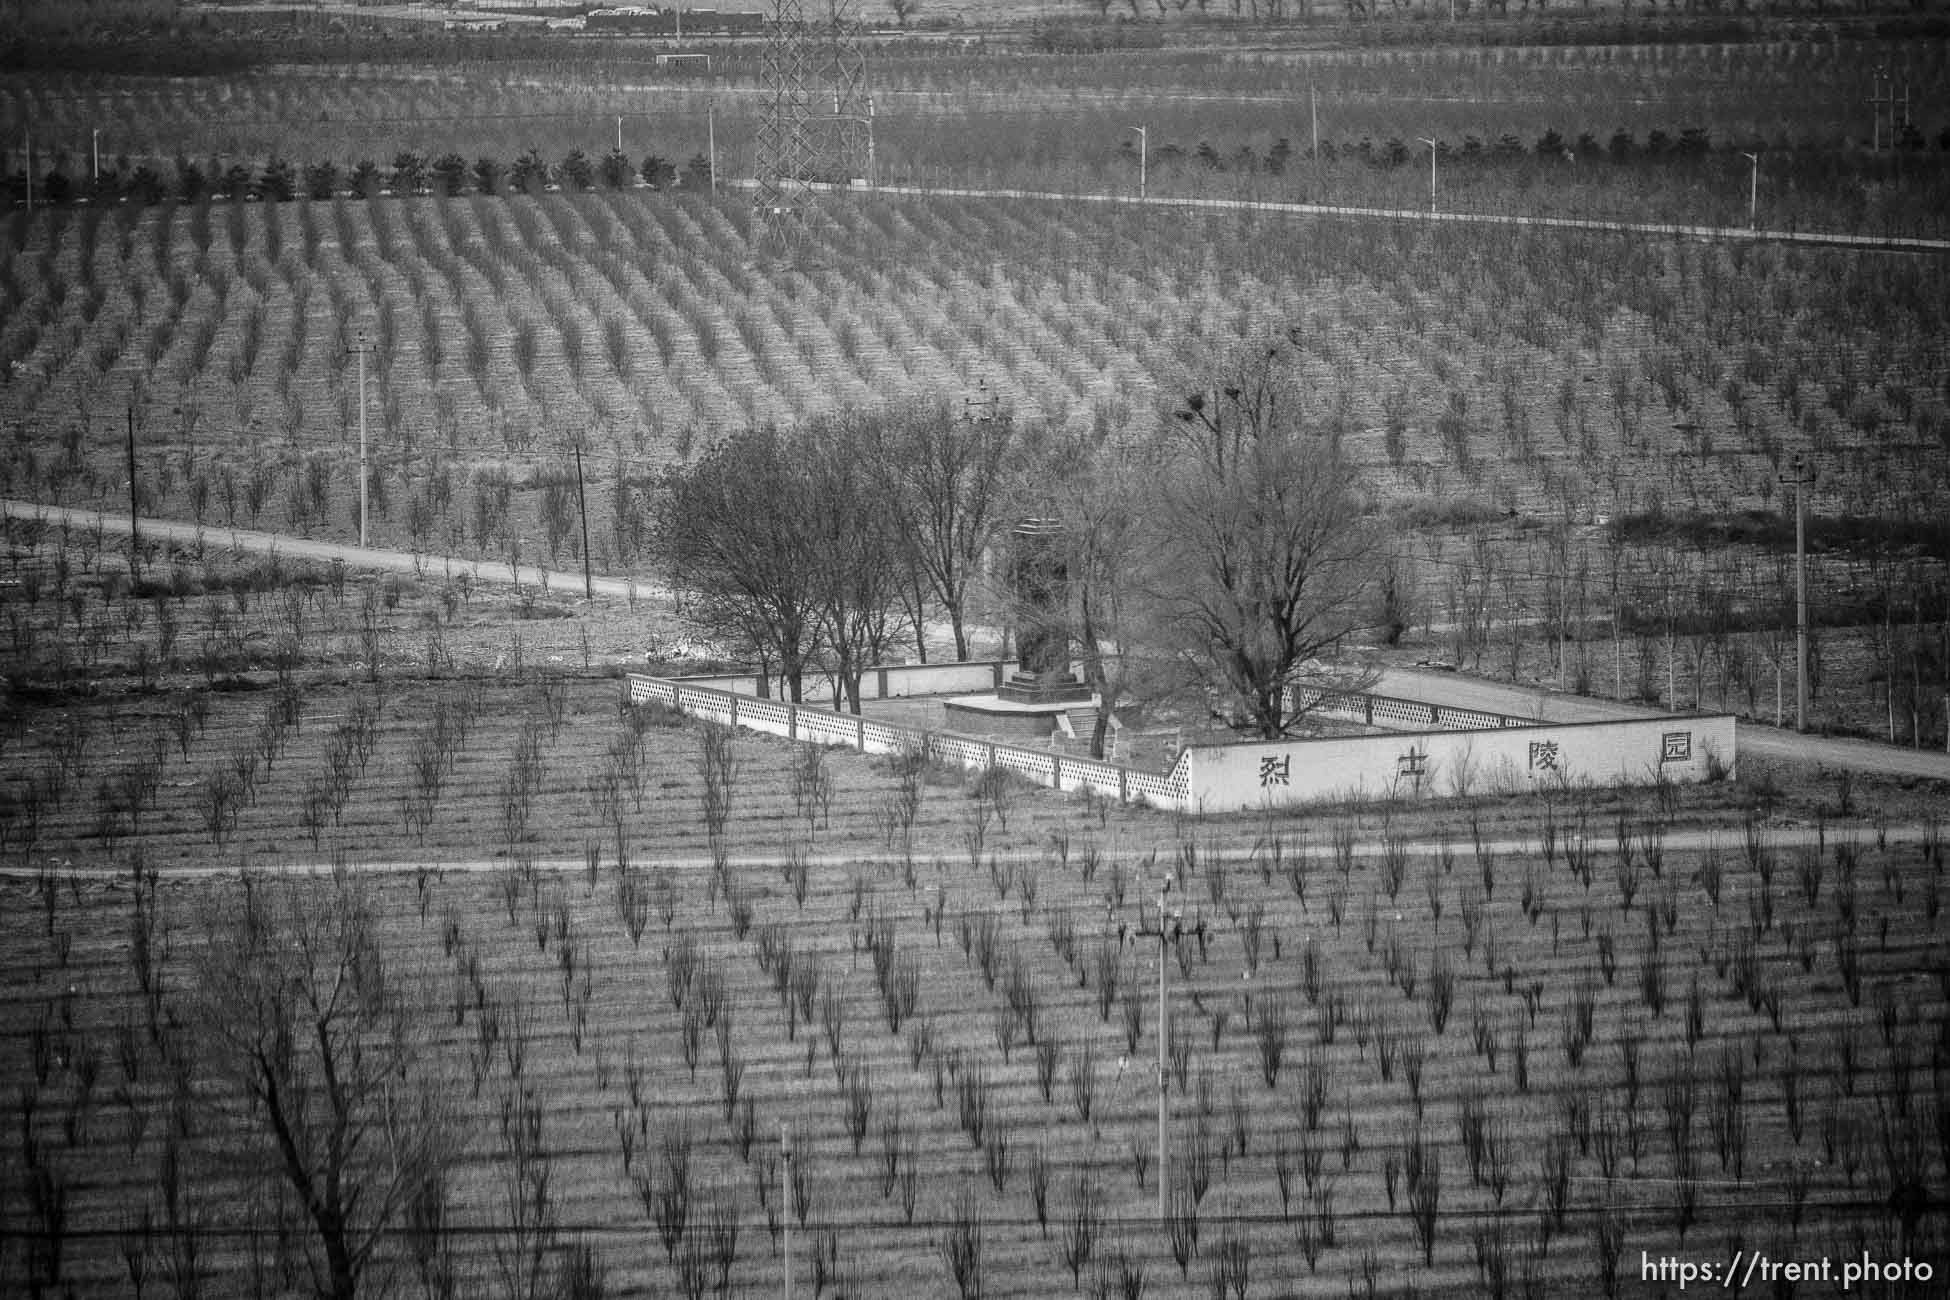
{"type": "Point", "coordinates": [845, 135]}
{"type": "Point", "coordinates": [786, 82]}
{"type": "Point", "coordinates": [818, 116]}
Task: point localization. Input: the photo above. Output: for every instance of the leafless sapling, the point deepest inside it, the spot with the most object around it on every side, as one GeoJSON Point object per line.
{"type": "Point", "coordinates": [301, 1012]}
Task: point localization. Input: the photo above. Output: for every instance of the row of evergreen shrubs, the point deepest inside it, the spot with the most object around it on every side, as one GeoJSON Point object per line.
{"type": "Point", "coordinates": [1692, 143]}
{"type": "Point", "coordinates": [280, 180]}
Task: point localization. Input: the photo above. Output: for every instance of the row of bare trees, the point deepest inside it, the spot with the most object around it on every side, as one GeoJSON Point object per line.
{"type": "Point", "coordinates": [818, 547]}
{"type": "Point", "coordinates": [1220, 548]}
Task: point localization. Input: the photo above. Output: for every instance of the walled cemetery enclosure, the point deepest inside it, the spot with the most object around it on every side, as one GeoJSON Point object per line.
{"type": "Point", "coordinates": [1478, 750]}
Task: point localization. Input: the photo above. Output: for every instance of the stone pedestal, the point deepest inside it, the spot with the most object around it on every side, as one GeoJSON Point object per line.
{"type": "Point", "coordinates": [1028, 705]}
{"type": "Point", "coordinates": [1012, 719]}
{"type": "Point", "coordinates": [1052, 687]}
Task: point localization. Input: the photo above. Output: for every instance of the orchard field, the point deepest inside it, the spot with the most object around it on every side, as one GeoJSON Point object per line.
{"type": "Point", "coordinates": [573, 966]}
{"type": "Point", "coordinates": [1583, 435]}
{"type": "Point", "coordinates": [1570, 427]}
{"type": "Point", "coordinates": [1569, 122]}
{"type": "Point", "coordinates": [1403, 1056]}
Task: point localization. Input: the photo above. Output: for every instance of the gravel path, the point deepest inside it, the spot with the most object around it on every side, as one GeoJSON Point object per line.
{"type": "Point", "coordinates": [358, 557]}
{"type": "Point", "coordinates": [1725, 838]}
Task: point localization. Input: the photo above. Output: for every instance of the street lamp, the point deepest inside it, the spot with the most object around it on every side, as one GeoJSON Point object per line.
{"type": "Point", "coordinates": [1800, 478]}
{"type": "Point", "coordinates": [1144, 155]}
{"type": "Point", "coordinates": [1422, 139]}
{"type": "Point", "coordinates": [1753, 192]}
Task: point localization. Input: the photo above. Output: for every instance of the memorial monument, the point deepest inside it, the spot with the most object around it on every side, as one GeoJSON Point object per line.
{"type": "Point", "coordinates": [1044, 687]}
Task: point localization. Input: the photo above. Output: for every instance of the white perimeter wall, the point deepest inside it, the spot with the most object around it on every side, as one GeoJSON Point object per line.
{"type": "Point", "coordinates": [1231, 778]}
{"type": "Point", "coordinates": [1440, 764]}
{"type": "Point", "coordinates": [892, 683]}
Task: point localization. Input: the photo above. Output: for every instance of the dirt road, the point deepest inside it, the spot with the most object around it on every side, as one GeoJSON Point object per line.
{"type": "Point", "coordinates": [358, 557]}
{"type": "Point", "coordinates": [1725, 838]}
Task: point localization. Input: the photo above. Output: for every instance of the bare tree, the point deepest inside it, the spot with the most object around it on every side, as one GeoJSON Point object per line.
{"type": "Point", "coordinates": [858, 554]}
{"type": "Point", "coordinates": [735, 535]}
{"type": "Point", "coordinates": [1100, 505]}
{"type": "Point", "coordinates": [298, 1009]}
{"type": "Point", "coordinates": [785, 542]}
{"type": "Point", "coordinates": [1262, 553]}
{"type": "Point", "coordinates": [949, 478]}
{"type": "Point", "coordinates": [961, 1245]}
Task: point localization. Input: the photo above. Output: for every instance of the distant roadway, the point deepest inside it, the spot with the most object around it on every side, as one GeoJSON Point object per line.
{"type": "Point", "coordinates": [1888, 243]}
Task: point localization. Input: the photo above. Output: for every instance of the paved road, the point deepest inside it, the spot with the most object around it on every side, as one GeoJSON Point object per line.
{"type": "Point", "coordinates": [1754, 738]}
{"type": "Point", "coordinates": [358, 557]}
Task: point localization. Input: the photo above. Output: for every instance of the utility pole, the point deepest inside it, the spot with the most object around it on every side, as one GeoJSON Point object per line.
{"type": "Point", "coordinates": [1617, 647]}
{"type": "Point", "coordinates": [1163, 1033]}
{"type": "Point", "coordinates": [135, 541]}
{"type": "Point", "coordinates": [1801, 478]}
{"type": "Point", "coordinates": [619, 135]}
{"type": "Point", "coordinates": [982, 406]}
{"type": "Point", "coordinates": [1144, 159]}
{"type": "Point", "coordinates": [711, 141]}
{"type": "Point", "coordinates": [1164, 934]}
{"type": "Point", "coordinates": [1882, 95]}
{"type": "Point", "coordinates": [1882, 92]}
{"type": "Point", "coordinates": [785, 1198]}
{"type": "Point", "coordinates": [1423, 139]}
{"type": "Point", "coordinates": [95, 143]}
{"type": "Point", "coordinates": [1875, 111]}
{"type": "Point", "coordinates": [582, 508]}
{"type": "Point", "coordinates": [1313, 117]}
{"type": "Point", "coordinates": [362, 346]}
{"type": "Point", "coordinates": [1753, 193]}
